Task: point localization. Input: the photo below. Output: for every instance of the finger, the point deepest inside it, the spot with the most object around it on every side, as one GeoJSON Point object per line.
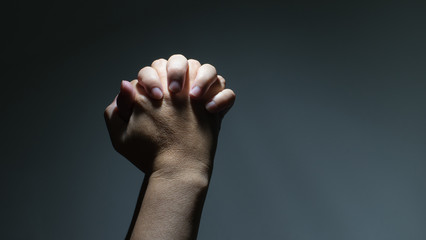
{"type": "Point", "coordinates": [109, 111]}
{"type": "Point", "coordinates": [206, 76]}
{"type": "Point", "coordinates": [115, 124]}
{"type": "Point", "coordinates": [160, 66]}
{"type": "Point", "coordinates": [222, 80]}
{"type": "Point", "coordinates": [142, 100]}
{"type": "Point", "coordinates": [193, 66]}
{"type": "Point", "coordinates": [149, 79]}
{"type": "Point", "coordinates": [222, 101]}
{"type": "Point", "coordinates": [125, 100]}
{"type": "Point", "coordinates": [215, 88]}
{"type": "Point", "coordinates": [177, 65]}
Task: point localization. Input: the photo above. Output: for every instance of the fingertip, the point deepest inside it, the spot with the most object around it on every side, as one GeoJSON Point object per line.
{"type": "Point", "coordinates": [156, 93]}
{"type": "Point", "coordinates": [223, 100]}
{"type": "Point", "coordinates": [175, 86]}
{"type": "Point", "coordinates": [177, 67]}
{"type": "Point", "coordinates": [211, 106]}
{"type": "Point", "coordinates": [196, 92]}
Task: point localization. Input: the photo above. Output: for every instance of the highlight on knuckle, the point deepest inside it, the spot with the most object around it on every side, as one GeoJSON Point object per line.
{"type": "Point", "coordinates": [141, 72]}
{"type": "Point", "coordinates": [177, 55]}
{"type": "Point", "coordinates": [146, 76]}
{"type": "Point", "coordinates": [211, 67]}
{"type": "Point", "coordinates": [194, 62]}
{"type": "Point", "coordinates": [158, 62]}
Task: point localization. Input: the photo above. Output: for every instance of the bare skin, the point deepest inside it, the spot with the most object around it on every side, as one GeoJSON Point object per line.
{"type": "Point", "coordinates": [167, 123]}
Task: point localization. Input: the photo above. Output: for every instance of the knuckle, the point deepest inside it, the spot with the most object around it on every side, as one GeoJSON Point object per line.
{"type": "Point", "coordinates": [145, 76]}
{"type": "Point", "coordinates": [221, 80]}
{"type": "Point", "coordinates": [231, 94]}
{"type": "Point", "coordinates": [177, 68]}
{"type": "Point", "coordinates": [141, 101]}
{"type": "Point", "coordinates": [134, 82]}
{"type": "Point", "coordinates": [146, 68]}
{"type": "Point", "coordinates": [177, 55]}
{"type": "Point", "coordinates": [194, 62]}
{"type": "Point", "coordinates": [142, 71]}
{"type": "Point", "coordinates": [210, 67]}
{"type": "Point", "coordinates": [158, 62]}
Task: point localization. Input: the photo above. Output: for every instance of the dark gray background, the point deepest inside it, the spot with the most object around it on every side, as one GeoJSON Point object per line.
{"type": "Point", "coordinates": [326, 139]}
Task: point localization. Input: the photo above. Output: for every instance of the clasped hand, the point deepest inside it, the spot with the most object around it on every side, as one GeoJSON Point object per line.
{"type": "Point", "coordinates": [167, 120]}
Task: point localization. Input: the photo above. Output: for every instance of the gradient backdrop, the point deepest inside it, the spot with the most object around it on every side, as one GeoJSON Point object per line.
{"type": "Point", "coordinates": [327, 139]}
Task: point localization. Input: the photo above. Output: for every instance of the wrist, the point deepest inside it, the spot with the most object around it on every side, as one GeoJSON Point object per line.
{"type": "Point", "coordinates": [180, 179]}
{"type": "Point", "coordinates": [182, 166]}
{"type": "Point", "coordinates": [173, 202]}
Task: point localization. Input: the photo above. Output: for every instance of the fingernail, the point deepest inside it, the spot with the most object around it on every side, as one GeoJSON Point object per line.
{"type": "Point", "coordinates": [175, 87]}
{"type": "Point", "coordinates": [196, 91]}
{"type": "Point", "coordinates": [211, 105]}
{"type": "Point", "coordinates": [157, 93]}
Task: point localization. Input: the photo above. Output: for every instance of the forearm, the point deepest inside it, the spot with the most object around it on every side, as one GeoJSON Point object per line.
{"type": "Point", "coordinates": [172, 205]}
{"type": "Point", "coordinates": [166, 123]}
{"type": "Point", "coordinates": [138, 205]}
